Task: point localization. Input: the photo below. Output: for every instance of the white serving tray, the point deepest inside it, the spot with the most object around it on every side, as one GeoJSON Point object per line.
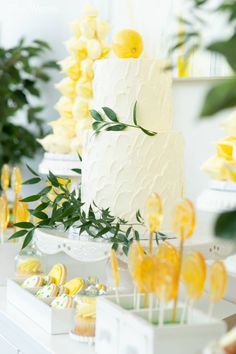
{"type": "Point", "coordinates": [122, 331]}
{"type": "Point", "coordinates": [53, 321]}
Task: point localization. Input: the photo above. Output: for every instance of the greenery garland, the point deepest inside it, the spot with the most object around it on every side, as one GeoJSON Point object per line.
{"type": "Point", "coordinates": [57, 205]}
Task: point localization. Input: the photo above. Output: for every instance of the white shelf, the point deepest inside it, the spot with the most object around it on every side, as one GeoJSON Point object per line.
{"type": "Point", "coordinates": [54, 241]}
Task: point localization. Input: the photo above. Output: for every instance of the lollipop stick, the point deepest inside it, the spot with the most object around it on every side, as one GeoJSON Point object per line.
{"type": "Point", "coordinates": [135, 297]}
{"type": "Point", "coordinates": [161, 313]}
{"type": "Point", "coordinates": [150, 242]}
{"type": "Point", "coordinates": [181, 248]}
{"type": "Point", "coordinates": [150, 307]}
{"type": "Point", "coordinates": [185, 310]}
{"type": "Point", "coordinates": [117, 296]}
{"type": "Point", "coordinates": [138, 301]}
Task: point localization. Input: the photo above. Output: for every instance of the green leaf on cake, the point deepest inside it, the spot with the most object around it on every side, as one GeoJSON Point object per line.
{"type": "Point", "coordinates": [135, 114]}
{"type": "Point", "coordinates": [148, 132]}
{"type": "Point", "coordinates": [96, 116]}
{"type": "Point", "coordinates": [110, 114]}
{"type": "Point", "coordinates": [117, 127]}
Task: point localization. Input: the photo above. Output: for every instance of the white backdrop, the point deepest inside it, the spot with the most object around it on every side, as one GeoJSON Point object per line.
{"type": "Point", "coordinates": [49, 20]}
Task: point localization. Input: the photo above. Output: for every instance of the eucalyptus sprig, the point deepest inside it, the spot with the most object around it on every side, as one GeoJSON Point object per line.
{"type": "Point", "coordinates": [113, 124]}
{"type": "Point", "coordinates": [58, 205]}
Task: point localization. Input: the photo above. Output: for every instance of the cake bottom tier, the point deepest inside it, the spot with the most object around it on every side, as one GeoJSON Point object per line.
{"type": "Point", "coordinates": [120, 169]}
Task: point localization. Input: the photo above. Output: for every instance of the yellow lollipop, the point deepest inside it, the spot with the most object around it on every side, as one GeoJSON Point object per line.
{"type": "Point", "coordinates": [21, 212]}
{"type": "Point", "coordinates": [115, 272]}
{"type": "Point", "coordinates": [136, 252]}
{"type": "Point", "coordinates": [166, 281]}
{"type": "Point", "coordinates": [154, 215]}
{"type": "Point", "coordinates": [218, 281]}
{"type": "Point", "coordinates": [5, 178]}
{"type": "Point", "coordinates": [183, 225]}
{"type": "Point", "coordinates": [145, 273]}
{"type": "Point", "coordinates": [166, 251]}
{"type": "Point", "coordinates": [16, 180]}
{"type": "Point", "coordinates": [4, 216]}
{"type": "Point", "coordinates": [194, 275]}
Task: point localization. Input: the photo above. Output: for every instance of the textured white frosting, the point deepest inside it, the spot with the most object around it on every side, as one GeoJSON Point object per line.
{"type": "Point", "coordinates": [119, 83]}
{"type": "Point", "coordinates": [120, 169]}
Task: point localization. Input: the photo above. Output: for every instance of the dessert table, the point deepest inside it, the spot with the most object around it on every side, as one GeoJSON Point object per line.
{"type": "Point", "coordinates": [20, 335]}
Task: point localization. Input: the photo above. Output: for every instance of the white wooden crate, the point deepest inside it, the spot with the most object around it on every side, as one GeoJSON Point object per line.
{"type": "Point", "coordinates": [122, 331]}
{"type": "Point", "coordinates": [53, 321]}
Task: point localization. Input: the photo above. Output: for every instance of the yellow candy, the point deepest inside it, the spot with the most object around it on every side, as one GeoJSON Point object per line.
{"type": "Point", "coordinates": [21, 212]}
{"type": "Point", "coordinates": [115, 269]}
{"type": "Point", "coordinates": [136, 252]}
{"type": "Point", "coordinates": [218, 281]}
{"type": "Point", "coordinates": [74, 285]}
{"type": "Point", "coordinates": [165, 281]}
{"type": "Point", "coordinates": [194, 275]}
{"type": "Point", "coordinates": [184, 219]}
{"type": "Point", "coordinates": [154, 212]}
{"type": "Point", "coordinates": [29, 266]}
{"type": "Point", "coordinates": [5, 177]}
{"type": "Point", "coordinates": [16, 180]}
{"type": "Point", "coordinates": [145, 273]}
{"type": "Point", "coordinates": [166, 251]}
{"type": "Point", "coordinates": [4, 213]}
{"type": "Point", "coordinates": [127, 44]}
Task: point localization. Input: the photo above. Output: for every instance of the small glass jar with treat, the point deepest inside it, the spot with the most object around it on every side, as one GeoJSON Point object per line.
{"type": "Point", "coordinates": [29, 261]}
{"type": "Point", "coordinates": [85, 309]}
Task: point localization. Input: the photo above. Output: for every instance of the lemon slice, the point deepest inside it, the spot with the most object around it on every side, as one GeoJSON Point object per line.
{"type": "Point", "coordinates": [218, 281]}
{"type": "Point", "coordinates": [127, 44]}
{"type": "Point", "coordinates": [184, 219]}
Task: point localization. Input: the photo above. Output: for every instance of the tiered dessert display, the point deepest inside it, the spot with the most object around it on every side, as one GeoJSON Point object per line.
{"type": "Point", "coordinates": [87, 45]}
{"type": "Point", "coordinates": [221, 196]}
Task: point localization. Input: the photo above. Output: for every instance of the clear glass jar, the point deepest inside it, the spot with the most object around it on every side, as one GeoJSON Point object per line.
{"type": "Point", "coordinates": [29, 261]}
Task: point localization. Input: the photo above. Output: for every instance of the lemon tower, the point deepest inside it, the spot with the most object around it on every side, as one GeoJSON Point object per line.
{"type": "Point", "coordinates": [121, 168]}
{"type": "Point", "coordinates": [85, 47]}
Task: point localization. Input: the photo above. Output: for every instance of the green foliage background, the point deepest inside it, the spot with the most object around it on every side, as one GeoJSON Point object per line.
{"type": "Point", "coordinates": [21, 71]}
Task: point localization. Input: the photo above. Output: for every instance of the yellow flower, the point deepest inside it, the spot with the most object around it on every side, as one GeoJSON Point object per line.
{"type": "Point", "coordinates": [218, 168]}
{"type": "Point", "coordinates": [105, 51]}
{"type": "Point", "coordinates": [82, 125]}
{"type": "Point", "coordinates": [64, 107]}
{"type": "Point", "coordinates": [230, 124]}
{"type": "Point", "coordinates": [80, 109]}
{"type": "Point", "coordinates": [67, 87]}
{"type": "Point", "coordinates": [75, 27]}
{"type": "Point", "coordinates": [84, 89]}
{"type": "Point", "coordinates": [71, 67]}
{"type": "Point", "coordinates": [88, 27]}
{"type": "Point", "coordinates": [102, 29]}
{"type": "Point", "coordinates": [225, 148]}
{"type": "Point", "coordinates": [94, 49]}
{"type": "Point", "coordinates": [77, 47]}
{"type": "Point", "coordinates": [63, 127]}
{"type": "Point", "coordinates": [52, 144]}
{"type": "Point", "coordinates": [87, 69]}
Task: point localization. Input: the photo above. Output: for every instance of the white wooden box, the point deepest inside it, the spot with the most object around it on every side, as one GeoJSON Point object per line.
{"type": "Point", "coordinates": [53, 321]}
{"type": "Point", "coordinates": [122, 331]}
{"type": "Point", "coordinates": [8, 252]}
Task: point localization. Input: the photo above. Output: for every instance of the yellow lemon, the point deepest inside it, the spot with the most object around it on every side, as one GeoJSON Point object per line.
{"type": "Point", "coordinates": [127, 44]}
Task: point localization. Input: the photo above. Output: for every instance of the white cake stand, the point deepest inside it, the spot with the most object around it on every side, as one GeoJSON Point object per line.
{"type": "Point", "coordinates": [60, 164]}
{"type": "Point", "coordinates": [219, 197]}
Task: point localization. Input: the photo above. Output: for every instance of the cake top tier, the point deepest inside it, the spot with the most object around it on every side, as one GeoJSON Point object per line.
{"type": "Point", "coordinates": [119, 83]}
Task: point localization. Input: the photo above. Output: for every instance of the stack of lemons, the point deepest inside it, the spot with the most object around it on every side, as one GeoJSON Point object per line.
{"type": "Point", "coordinates": [87, 45]}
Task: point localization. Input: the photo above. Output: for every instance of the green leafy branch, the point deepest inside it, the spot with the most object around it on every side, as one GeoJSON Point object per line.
{"type": "Point", "coordinates": [57, 205]}
{"type": "Point", "coordinates": [113, 124]}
